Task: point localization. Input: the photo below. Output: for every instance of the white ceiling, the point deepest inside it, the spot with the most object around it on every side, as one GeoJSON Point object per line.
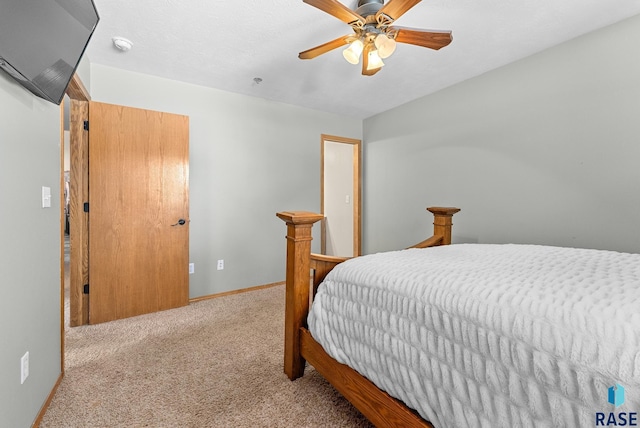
{"type": "Point", "coordinates": [225, 44]}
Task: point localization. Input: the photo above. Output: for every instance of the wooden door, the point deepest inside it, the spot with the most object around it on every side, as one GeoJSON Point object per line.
{"type": "Point", "coordinates": [138, 195]}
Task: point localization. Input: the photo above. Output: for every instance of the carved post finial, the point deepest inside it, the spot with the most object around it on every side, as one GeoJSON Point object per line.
{"type": "Point", "coordinates": [442, 222]}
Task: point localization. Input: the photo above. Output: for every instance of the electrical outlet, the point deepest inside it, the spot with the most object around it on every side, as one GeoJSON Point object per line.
{"type": "Point", "coordinates": [192, 267]}
{"type": "Point", "coordinates": [24, 367]}
{"type": "Point", "coordinates": [220, 264]}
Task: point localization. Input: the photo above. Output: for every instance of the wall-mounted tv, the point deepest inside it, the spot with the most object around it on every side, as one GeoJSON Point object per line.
{"type": "Point", "coordinates": [42, 42]}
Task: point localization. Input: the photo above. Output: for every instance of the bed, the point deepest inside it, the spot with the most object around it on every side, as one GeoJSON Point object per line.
{"type": "Point", "coordinates": [468, 335]}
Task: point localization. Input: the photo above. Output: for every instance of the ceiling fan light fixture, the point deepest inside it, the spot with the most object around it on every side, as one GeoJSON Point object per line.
{"type": "Point", "coordinates": [374, 60]}
{"type": "Point", "coordinates": [385, 45]}
{"type": "Point", "coordinates": [352, 53]}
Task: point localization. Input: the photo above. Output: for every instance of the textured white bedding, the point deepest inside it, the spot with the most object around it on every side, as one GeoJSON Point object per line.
{"type": "Point", "coordinates": [474, 335]}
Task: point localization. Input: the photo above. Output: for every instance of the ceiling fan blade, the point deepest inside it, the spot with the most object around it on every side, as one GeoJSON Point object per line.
{"type": "Point", "coordinates": [394, 9]}
{"type": "Point", "coordinates": [337, 9]}
{"type": "Point", "coordinates": [324, 48]}
{"type": "Point", "coordinates": [425, 38]}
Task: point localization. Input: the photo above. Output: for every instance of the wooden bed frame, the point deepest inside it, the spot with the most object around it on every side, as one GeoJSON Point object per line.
{"type": "Point", "coordinates": [299, 346]}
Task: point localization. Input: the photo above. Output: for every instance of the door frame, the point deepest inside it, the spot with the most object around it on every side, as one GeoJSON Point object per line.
{"type": "Point", "coordinates": [79, 227]}
{"type": "Point", "coordinates": [357, 190]}
{"type": "Point", "coordinates": [62, 228]}
{"type": "Point", "coordinates": [79, 194]}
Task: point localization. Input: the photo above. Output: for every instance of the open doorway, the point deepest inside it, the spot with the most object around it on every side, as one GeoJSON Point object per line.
{"type": "Point", "coordinates": [340, 196]}
{"type": "Point", "coordinates": [65, 192]}
{"type": "Point", "coordinates": [65, 222]}
{"type": "Point", "coordinates": [75, 91]}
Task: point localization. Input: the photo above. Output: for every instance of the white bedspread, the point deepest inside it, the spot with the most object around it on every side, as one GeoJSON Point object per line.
{"type": "Point", "coordinates": [474, 335]}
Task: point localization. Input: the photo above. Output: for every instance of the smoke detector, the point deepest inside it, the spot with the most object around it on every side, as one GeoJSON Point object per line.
{"type": "Point", "coordinates": [122, 44]}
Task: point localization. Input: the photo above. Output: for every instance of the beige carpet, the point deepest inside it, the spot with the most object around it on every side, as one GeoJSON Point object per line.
{"type": "Point", "coordinates": [215, 363]}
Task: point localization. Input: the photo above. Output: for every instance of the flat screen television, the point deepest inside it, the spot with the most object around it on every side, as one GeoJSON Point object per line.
{"type": "Point", "coordinates": [42, 42]}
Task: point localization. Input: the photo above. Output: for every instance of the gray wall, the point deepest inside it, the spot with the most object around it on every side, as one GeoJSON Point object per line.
{"type": "Point", "coordinates": [544, 150]}
{"type": "Point", "coordinates": [29, 251]}
{"type": "Point", "coordinates": [249, 158]}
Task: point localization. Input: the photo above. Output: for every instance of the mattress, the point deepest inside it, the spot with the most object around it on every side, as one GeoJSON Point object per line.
{"type": "Point", "coordinates": [473, 335]}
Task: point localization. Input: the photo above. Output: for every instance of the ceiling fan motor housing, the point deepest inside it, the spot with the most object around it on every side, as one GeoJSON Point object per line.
{"type": "Point", "coordinates": [369, 7]}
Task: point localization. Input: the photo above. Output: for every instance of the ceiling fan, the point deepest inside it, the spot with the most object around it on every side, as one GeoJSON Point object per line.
{"type": "Point", "coordinates": [374, 38]}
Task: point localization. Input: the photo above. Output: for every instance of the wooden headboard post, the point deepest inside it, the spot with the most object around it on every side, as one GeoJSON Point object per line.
{"type": "Point", "coordinates": [442, 222]}
{"type": "Point", "coordinates": [299, 224]}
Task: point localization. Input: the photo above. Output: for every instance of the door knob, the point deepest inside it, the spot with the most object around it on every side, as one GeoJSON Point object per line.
{"type": "Point", "coordinates": [180, 222]}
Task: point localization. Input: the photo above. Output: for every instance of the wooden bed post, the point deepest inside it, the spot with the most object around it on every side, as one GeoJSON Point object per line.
{"type": "Point", "coordinates": [299, 224]}
{"type": "Point", "coordinates": [442, 222]}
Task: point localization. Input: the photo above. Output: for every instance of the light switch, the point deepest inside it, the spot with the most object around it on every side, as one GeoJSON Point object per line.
{"type": "Point", "coordinates": [46, 197]}
{"type": "Point", "coordinates": [347, 199]}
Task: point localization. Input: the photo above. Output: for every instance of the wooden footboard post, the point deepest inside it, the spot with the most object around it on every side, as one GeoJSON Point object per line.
{"type": "Point", "coordinates": [299, 224]}
{"type": "Point", "coordinates": [442, 222]}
